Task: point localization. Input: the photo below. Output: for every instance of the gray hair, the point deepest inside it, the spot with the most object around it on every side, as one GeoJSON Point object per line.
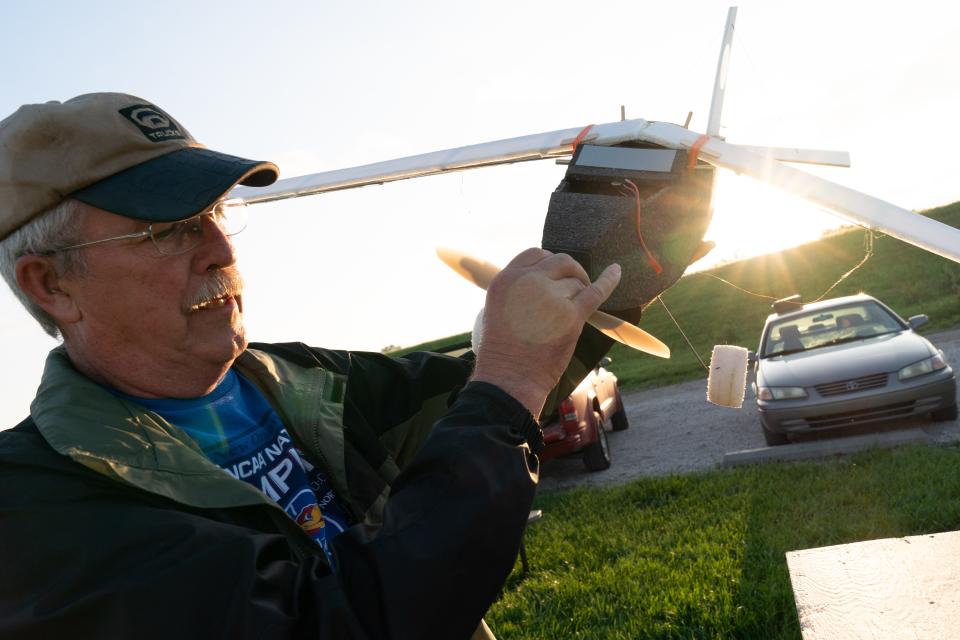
{"type": "Point", "coordinates": [54, 228]}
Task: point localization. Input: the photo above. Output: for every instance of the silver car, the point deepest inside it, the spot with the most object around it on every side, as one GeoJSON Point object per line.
{"type": "Point", "coordinates": [846, 361]}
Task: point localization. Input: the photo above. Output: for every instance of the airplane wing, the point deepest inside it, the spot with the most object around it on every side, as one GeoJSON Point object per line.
{"type": "Point", "coordinates": [806, 156]}
{"type": "Point", "coordinates": [552, 144]}
{"type": "Point", "coordinates": [759, 163]}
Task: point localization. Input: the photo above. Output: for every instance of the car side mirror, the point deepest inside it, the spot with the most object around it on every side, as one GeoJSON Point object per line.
{"type": "Point", "coordinates": [605, 362]}
{"type": "Point", "coordinates": [918, 321]}
{"type": "Point", "coordinates": [751, 357]}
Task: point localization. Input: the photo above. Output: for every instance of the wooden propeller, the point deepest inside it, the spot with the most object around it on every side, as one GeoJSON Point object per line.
{"type": "Point", "coordinates": [482, 273]}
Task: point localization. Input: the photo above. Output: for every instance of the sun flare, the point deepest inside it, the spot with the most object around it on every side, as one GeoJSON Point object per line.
{"type": "Point", "coordinates": [751, 218]}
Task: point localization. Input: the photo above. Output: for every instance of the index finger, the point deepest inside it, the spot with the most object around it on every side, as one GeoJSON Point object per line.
{"type": "Point", "coordinates": [599, 290]}
{"type": "Point", "coordinates": [529, 257]}
{"type": "Point", "coordinates": [563, 265]}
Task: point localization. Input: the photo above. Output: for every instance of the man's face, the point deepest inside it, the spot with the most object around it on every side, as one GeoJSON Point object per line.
{"type": "Point", "coordinates": [154, 325]}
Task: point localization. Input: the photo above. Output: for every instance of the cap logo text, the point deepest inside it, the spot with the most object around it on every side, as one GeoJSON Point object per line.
{"type": "Point", "coordinates": [149, 118]}
{"type": "Point", "coordinates": [152, 122]}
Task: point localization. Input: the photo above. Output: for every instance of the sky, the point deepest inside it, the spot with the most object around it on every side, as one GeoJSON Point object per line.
{"type": "Point", "coordinates": [315, 86]}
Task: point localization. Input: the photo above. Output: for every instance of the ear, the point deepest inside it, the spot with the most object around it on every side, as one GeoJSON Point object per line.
{"type": "Point", "coordinates": [37, 276]}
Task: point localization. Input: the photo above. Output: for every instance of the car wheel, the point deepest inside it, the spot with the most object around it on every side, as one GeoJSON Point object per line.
{"type": "Point", "coordinates": [773, 438]}
{"type": "Point", "coordinates": [619, 420]}
{"type": "Point", "coordinates": [945, 414]}
{"type": "Point", "coordinates": [596, 457]}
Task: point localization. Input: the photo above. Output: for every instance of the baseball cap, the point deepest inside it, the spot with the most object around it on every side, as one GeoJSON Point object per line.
{"type": "Point", "coordinates": [116, 152]}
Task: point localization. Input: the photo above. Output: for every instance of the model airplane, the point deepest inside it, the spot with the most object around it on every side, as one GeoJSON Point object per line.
{"type": "Point", "coordinates": [646, 137]}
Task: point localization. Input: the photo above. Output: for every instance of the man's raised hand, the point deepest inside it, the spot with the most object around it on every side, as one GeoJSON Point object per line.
{"type": "Point", "coordinates": [535, 311]}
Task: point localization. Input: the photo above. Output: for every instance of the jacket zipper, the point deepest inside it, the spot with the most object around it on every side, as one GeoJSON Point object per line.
{"type": "Point", "coordinates": [325, 466]}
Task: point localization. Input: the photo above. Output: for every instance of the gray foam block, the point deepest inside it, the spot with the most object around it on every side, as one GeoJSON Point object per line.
{"type": "Point", "coordinates": [599, 229]}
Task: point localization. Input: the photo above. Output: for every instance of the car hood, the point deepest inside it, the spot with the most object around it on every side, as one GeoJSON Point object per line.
{"type": "Point", "coordinates": [884, 353]}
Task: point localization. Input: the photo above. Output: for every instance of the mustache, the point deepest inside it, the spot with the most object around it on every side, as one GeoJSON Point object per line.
{"type": "Point", "coordinates": [221, 283]}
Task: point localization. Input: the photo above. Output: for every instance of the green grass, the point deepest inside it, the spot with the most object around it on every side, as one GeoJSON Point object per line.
{"type": "Point", "coordinates": [702, 556]}
{"type": "Point", "coordinates": [433, 345]}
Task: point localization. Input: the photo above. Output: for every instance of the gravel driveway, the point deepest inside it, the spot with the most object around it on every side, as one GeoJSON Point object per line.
{"type": "Point", "coordinates": [674, 430]}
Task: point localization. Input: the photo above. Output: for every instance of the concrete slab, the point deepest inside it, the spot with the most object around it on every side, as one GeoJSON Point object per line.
{"type": "Point", "coordinates": [826, 448]}
{"type": "Point", "coordinates": [879, 589]}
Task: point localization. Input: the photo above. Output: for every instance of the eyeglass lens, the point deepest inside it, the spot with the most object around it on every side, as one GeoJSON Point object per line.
{"type": "Point", "coordinates": [172, 238]}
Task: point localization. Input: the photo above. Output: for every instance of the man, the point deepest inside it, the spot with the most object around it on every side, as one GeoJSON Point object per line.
{"type": "Point", "coordinates": [173, 481]}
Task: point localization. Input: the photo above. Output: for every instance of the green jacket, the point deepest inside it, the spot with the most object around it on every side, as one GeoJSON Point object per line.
{"type": "Point", "coordinates": [130, 522]}
{"type": "Point", "coordinates": [138, 447]}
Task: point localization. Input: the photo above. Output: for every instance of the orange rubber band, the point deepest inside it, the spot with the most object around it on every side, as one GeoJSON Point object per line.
{"type": "Point", "coordinates": [695, 151]}
{"type": "Point", "coordinates": [580, 136]}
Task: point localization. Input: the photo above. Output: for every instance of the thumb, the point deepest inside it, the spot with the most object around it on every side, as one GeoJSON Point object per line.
{"type": "Point", "coordinates": [593, 296]}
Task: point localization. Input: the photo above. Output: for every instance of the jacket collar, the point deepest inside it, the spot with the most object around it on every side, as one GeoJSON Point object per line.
{"type": "Point", "coordinates": [128, 443]}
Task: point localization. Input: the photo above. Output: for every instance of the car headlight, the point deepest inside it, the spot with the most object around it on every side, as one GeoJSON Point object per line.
{"type": "Point", "coordinates": [781, 393]}
{"type": "Point", "coordinates": [929, 365]}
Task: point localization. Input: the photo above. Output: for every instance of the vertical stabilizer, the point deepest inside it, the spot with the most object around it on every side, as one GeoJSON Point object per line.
{"type": "Point", "coordinates": [720, 83]}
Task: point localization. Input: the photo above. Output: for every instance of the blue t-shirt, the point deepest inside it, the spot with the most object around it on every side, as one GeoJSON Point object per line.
{"type": "Point", "coordinates": [240, 432]}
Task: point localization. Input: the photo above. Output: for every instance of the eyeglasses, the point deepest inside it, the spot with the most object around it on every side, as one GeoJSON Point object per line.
{"type": "Point", "coordinates": [174, 238]}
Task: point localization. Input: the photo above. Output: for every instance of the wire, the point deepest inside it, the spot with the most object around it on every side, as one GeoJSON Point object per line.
{"type": "Point", "coordinates": [689, 344]}
{"type": "Point", "coordinates": [653, 261]}
{"type": "Point", "coordinates": [752, 293]}
{"type": "Point", "coordinates": [868, 242]}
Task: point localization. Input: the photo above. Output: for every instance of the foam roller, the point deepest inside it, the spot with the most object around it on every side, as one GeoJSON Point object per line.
{"type": "Point", "coordinates": [727, 382]}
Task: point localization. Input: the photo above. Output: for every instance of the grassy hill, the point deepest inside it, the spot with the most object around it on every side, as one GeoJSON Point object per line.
{"type": "Point", "coordinates": [711, 312]}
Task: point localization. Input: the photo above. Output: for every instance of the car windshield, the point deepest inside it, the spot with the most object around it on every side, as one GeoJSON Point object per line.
{"type": "Point", "coordinates": [826, 327]}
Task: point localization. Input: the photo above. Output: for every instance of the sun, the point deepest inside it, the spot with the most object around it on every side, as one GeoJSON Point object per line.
{"type": "Point", "coordinates": [751, 218]}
